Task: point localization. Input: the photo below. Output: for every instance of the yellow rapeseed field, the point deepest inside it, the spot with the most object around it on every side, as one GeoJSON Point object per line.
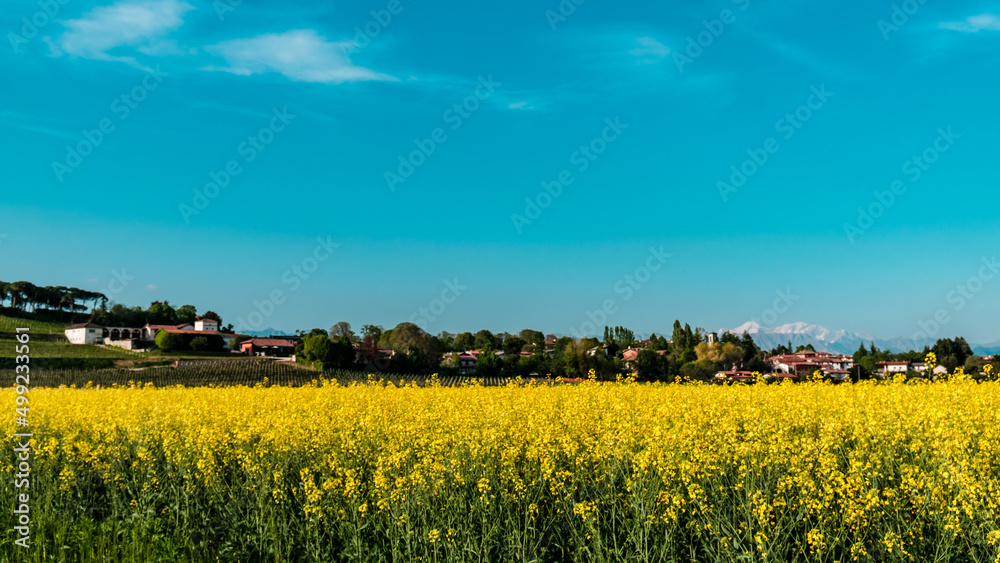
{"type": "Point", "coordinates": [590, 472]}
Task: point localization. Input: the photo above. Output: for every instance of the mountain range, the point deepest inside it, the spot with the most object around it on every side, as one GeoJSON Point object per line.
{"type": "Point", "coordinates": [839, 341]}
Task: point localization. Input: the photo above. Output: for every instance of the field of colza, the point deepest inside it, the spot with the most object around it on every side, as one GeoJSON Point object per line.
{"type": "Point", "coordinates": [371, 472]}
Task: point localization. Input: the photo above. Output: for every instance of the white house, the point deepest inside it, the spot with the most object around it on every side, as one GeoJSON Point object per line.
{"type": "Point", "coordinates": [85, 333]}
{"type": "Point", "coordinates": [889, 368]}
{"type": "Point", "coordinates": [206, 325]}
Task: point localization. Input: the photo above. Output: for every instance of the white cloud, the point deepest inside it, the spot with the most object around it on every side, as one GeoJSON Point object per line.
{"type": "Point", "coordinates": [974, 24]}
{"type": "Point", "coordinates": [650, 50]}
{"type": "Point", "coordinates": [140, 25]}
{"type": "Point", "coordinates": [152, 287]}
{"type": "Point", "coordinates": [301, 55]}
{"type": "Point", "coordinates": [520, 105]}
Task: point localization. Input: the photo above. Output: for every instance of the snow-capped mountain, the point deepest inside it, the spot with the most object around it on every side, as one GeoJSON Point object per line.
{"type": "Point", "coordinates": [839, 342]}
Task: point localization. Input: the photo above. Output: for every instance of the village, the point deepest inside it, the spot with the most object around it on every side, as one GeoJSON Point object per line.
{"type": "Point", "coordinates": [800, 364]}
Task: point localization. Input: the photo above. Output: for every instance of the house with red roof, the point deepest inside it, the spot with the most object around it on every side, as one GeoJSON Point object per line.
{"type": "Point", "coordinates": [807, 361]}
{"type": "Point", "coordinates": [277, 347]}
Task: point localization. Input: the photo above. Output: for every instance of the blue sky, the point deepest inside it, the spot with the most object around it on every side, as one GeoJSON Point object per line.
{"type": "Point", "coordinates": [415, 138]}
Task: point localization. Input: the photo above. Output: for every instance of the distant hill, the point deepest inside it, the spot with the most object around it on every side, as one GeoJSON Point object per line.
{"type": "Point", "coordinates": [839, 342]}
{"type": "Point", "coordinates": [265, 332]}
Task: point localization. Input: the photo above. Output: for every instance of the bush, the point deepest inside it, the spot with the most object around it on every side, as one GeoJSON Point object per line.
{"type": "Point", "coordinates": [488, 364]}
{"type": "Point", "coordinates": [200, 344]}
{"type": "Point", "coordinates": [171, 341]}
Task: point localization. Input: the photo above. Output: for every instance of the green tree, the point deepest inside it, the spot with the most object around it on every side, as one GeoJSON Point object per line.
{"type": "Point", "coordinates": [343, 328]}
{"type": "Point", "coordinates": [162, 314]}
{"type": "Point", "coordinates": [464, 342]}
{"type": "Point", "coordinates": [186, 314]}
{"type": "Point", "coordinates": [200, 344]}
{"type": "Point", "coordinates": [447, 340]}
{"type": "Point", "coordinates": [375, 331]}
{"type": "Point", "coordinates": [484, 340]}
{"type": "Point", "coordinates": [513, 345]}
{"type": "Point", "coordinates": [679, 338]}
{"type": "Point", "coordinates": [701, 370]}
{"type": "Point", "coordinates": [170, 341]}
{"type": "Point", "coordinates": [341, 354]}
{"type": "Point", "coordinates": [651, 366]}
{"type": "Point", "coordinates": [488, 364]}
{"type": "Point", "coordinates": [314, 348]}
{"type": "Point", "coordinates": [533, 337]}
{"type": "Point", "coordinates": [407, 337]}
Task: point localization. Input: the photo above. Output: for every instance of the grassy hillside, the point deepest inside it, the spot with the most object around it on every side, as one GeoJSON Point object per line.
{"type": "Point", "coordinates": [10, 324]}
{"type": "Point", "coordinates": [63, 349]}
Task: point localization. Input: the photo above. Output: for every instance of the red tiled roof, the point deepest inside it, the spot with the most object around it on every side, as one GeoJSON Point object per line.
{"type": "Point", "coordinates": [177, 330]}
{"type": "Point", "coordinates": [267, 342]}
{"type": "Point", "coordinates": [84, 325]}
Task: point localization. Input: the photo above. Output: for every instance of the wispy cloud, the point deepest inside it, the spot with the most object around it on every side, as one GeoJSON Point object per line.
{"type": "Point", "coordinates": [152, 287]}
{"type": "Point", "coordinates": [301, 55]}
{"type": "Point", "coordinates": [649, 51]}
{"type": "Point", "coordinates": [974, 24]}
{"type": "Point", "coordinates": [31, 123]}
{"type": "Point", "coordinates": [140, 25]}
{"type": "Point", "coordinates": [800, 55]}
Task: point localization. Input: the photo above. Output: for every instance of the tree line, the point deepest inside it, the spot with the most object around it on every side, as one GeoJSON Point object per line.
{"type": "Point", "coordinates": [158, 313]}
{"type": "Point", "coordinates": [27, 297]}
{"type": "Point", "coordinates": [688, 353]}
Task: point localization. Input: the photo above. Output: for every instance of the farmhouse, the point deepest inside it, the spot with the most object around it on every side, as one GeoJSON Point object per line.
{"type": "Point", "coordinates": [90, 333]}
{"type": "Point", "coordinates": [892, 368]}
{"type": "Point", "coordinates": [268, 347]}
{"type": "Point", "coordinates": [807, 361]}
{"type": "Point", "coordinates": [467, 364]}
{"type": "Point", "coordinates": [126, 337]}
{"type": "Point", "coordinates": [86, 333]}
{"type": "Point", "coordinates": [206, 325]}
